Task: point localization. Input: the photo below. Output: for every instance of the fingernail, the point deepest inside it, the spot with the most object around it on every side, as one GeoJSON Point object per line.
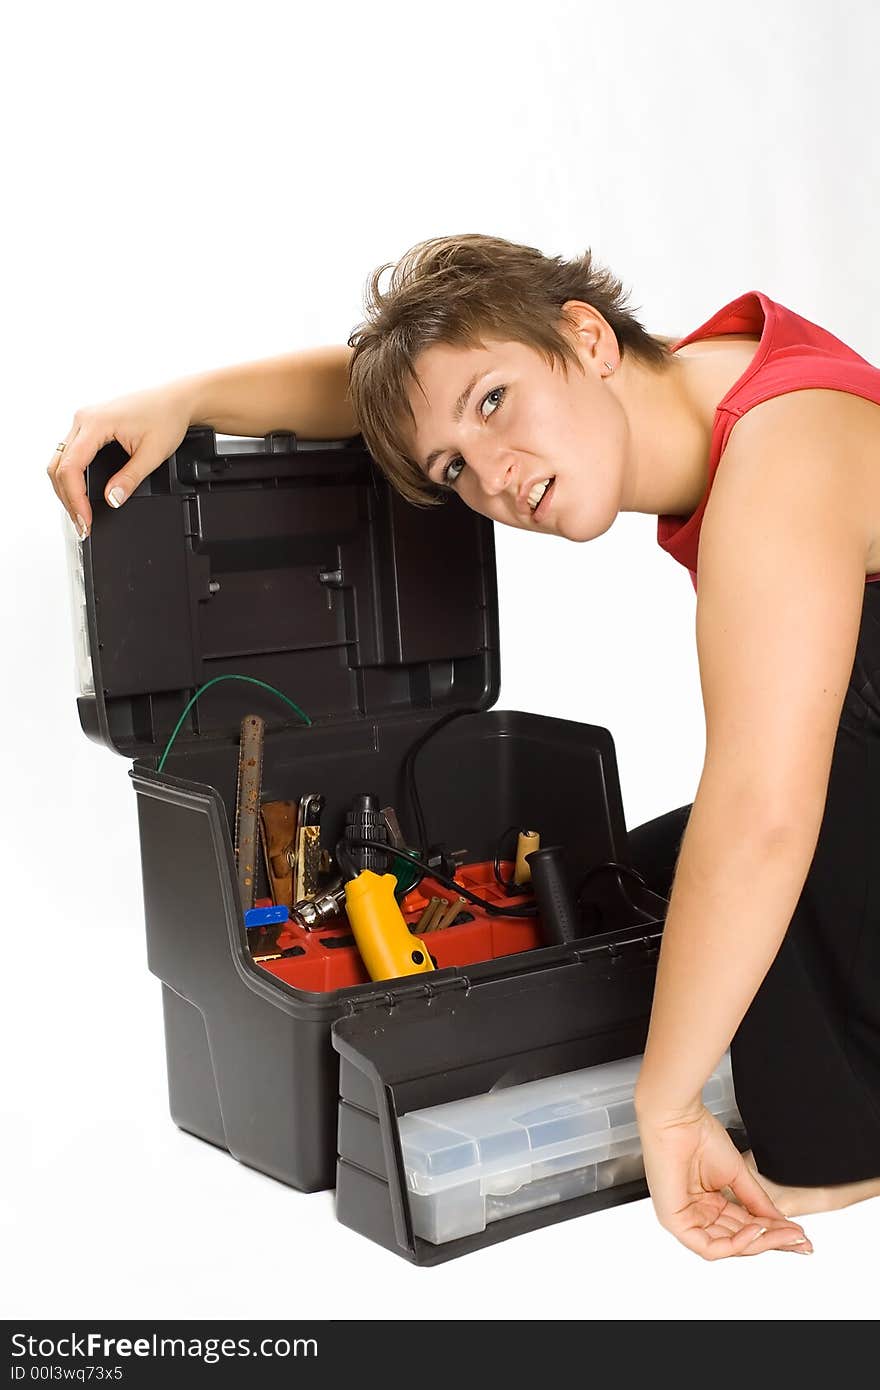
{"type": "Point", "coordinates": [82, 527]}
{"type": "Point", "coordinates": [801, 1246]}
{"type": "Point", "coordinates": [761, 1232]}
{"type": "Point", "coordinates": [116, 497]}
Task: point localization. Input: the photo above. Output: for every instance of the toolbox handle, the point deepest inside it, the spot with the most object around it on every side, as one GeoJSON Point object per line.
{"type": "Point", "coordinates": [206, 457]}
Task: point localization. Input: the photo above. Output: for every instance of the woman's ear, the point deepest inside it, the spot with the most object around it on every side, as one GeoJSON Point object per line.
{"type": "Point", "coordinates": [586, 330]}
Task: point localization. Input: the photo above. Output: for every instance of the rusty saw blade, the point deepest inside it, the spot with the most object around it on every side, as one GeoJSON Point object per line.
{"type": "Point", "coordinates": [247, 807]}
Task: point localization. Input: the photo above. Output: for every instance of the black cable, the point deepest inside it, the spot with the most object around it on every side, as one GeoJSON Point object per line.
{"type": "Point", "coordinates": [508, 885]}
{"type": "Point", "coordinates": [519, 910]}
{"type": "Point", "coordinates": [344, 860]}
{"type": "Point", "coordinates": [409, 774]}
{"type": "Point", "coordinates": [612, 864]}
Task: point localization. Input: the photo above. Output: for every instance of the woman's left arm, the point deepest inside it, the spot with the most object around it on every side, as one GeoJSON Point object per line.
{"type": "Point", "coordinates": [781, 583]}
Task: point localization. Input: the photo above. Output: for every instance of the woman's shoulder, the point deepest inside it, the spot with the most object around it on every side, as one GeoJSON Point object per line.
{"type": "Point", "coordinates": [814, 447]}
{"type": "Point", "coordinates": [832, 407]}
{"type": "Point", "coordinates": [850, 419]}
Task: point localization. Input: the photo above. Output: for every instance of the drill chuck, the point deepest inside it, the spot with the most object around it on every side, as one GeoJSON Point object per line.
{"type": "Point", "coordinates": [364, 821]}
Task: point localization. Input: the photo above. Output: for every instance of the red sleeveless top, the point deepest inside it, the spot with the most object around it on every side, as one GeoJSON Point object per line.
{"type": "Point", "coordinates": [793, 355]}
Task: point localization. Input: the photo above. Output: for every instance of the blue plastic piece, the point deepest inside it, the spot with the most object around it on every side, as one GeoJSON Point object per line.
{"type": "Point", "coordinates": [265, 916]}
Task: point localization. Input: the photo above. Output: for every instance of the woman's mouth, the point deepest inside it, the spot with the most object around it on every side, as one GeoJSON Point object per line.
{"type": "Point", "coordinates": [538, 497]}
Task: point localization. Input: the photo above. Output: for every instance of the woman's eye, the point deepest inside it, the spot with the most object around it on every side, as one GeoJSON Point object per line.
{"type": "Point", "coordinates": [452, 471]}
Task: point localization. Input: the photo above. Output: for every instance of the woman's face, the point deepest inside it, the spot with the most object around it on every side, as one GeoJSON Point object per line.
{"type": "Point", "coordinates": [523, 422]}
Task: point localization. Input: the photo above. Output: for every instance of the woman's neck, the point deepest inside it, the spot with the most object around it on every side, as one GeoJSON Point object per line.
{"type": "Point", "coordinates": [671, 415]}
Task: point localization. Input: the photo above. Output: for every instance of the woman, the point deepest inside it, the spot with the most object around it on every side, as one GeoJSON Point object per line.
{"type": "Point", "coordinates": [524, 384]}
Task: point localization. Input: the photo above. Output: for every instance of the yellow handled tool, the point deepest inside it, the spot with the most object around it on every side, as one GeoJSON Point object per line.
{"type": "Point", "coordinates": [386, 944]}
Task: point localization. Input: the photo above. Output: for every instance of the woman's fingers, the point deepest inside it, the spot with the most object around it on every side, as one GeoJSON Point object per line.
{"type": "Point", "coordinates": [753, 1197]}
{"type": "Point", "coordinates": [717, 1229]}
{"type": "Point", "coordinates": [751, 1200]}
{"type": "Point", "coordinates": [751, 1239]}
{"type": "Point", "coordinates": [785, 1237]}
{"type": "Point", "coordinates": [732, 1232]}
{"type": "Point", "coordinates": [149, 426]}
{"type": "Point", "coordinates": [728, 1225]}
{"type": "Point", "coordinates": [67, 471]}
{"type": "Point", "coordinates": [55, 464]}
{"type": "Point", "coordinates": [145, 458]}
{"type": "Point", "coordinates": [717, 1246]}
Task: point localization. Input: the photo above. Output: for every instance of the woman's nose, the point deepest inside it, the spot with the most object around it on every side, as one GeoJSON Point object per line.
{"type": "Point", "coordinates": [497, 473]}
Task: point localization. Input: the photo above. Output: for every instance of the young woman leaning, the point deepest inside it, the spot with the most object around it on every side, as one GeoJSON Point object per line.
{"type": "Point", "coordinates": [524, 384]}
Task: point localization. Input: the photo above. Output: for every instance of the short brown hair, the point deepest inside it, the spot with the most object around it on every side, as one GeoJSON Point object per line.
{"type": "Point", "coordinates": [452, 290]}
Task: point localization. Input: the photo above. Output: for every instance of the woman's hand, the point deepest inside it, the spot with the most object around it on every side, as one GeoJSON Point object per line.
{"type": "Point", "coordinates": [148, 424]}
{"type": "Point", "coordinates": [704, 1193]}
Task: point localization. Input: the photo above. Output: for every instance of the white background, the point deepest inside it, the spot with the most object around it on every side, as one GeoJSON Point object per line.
{"type": "Point", "coordinates": [201, 184]}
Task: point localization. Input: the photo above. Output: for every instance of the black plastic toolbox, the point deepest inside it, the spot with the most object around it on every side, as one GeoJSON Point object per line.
{"type": "Point", "coordinates": [293, 562]}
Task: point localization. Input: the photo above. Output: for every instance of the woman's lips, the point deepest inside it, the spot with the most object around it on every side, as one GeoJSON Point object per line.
{"type": "Point", "coordinates": [542, 505]}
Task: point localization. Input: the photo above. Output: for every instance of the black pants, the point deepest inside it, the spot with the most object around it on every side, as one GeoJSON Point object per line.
{"type": "Point", "coordinates": [806, 1057]}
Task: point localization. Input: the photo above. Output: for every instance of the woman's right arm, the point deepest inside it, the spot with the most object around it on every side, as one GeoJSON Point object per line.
{"type": "Point", "coordinates": [304, 391]}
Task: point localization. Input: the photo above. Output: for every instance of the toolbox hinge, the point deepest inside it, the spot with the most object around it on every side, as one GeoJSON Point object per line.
{"type": "Point", "coordinates": [419, 988]}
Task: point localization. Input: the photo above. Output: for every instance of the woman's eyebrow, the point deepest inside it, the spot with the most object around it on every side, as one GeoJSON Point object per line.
{"type": "Point", "coordinates": [457, 411]}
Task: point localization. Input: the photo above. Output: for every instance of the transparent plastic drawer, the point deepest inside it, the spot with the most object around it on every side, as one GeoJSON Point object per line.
{"type": "Point", "coordinates": [512, 1150]}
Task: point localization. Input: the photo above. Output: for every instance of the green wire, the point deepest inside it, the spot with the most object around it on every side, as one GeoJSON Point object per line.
{"type": "Point", "coordinates": [252, 680]}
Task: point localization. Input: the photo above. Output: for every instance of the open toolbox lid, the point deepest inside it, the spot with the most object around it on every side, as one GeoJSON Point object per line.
{"type": "Point", "coordinates": [286, 560]}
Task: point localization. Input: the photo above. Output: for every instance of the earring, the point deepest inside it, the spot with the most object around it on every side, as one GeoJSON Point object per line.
{"type": "Point", "coordinates": [610, 368]}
